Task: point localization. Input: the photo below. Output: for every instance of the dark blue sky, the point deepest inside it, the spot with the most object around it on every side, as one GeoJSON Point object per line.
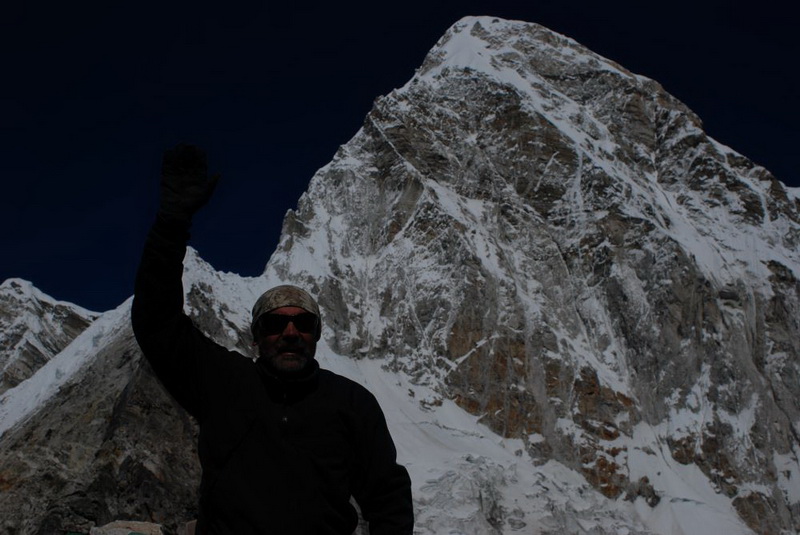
{"type": "Point", "coordinates": [91, 96]}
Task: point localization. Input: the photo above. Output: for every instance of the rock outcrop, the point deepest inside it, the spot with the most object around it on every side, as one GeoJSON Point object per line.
{"type": "Point", "coordinates": [554, 243]}
{"type": "Point", "coordinates": [33, 328]}
{"type": "Point", "coordinates": [109, 444]}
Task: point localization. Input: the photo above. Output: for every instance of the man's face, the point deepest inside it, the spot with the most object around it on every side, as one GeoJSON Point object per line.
{"type": "Point", "coordinates": [288, 347]}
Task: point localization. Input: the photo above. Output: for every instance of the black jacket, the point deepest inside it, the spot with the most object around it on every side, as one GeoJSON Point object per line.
{"type": "Point", "coordinates": [278, 456]}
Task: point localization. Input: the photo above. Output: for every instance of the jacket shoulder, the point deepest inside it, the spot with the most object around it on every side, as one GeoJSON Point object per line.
{"type": "Point", "coordinates": [341, 386]}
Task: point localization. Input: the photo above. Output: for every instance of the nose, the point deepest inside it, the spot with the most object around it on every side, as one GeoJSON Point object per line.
{"type": "Point", "coordinates": [290, 330]}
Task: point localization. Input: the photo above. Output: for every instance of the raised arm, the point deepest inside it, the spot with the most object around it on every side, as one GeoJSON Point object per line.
{"type": "Point", "coordinates": [165, 334]}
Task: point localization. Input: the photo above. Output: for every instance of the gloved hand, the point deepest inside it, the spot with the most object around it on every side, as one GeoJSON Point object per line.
{"type": "Point", "coordinates": [185, 184]}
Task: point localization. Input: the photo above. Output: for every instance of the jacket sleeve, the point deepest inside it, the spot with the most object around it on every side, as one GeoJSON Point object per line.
{"type": "Point", "coordinates": [383, 491]}
{"type": "Point", "coordinates": [178, 352]}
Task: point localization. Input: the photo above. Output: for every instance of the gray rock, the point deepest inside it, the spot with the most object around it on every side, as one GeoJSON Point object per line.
{"type": "Point", "coordinates": [33, 328]}
{"type": "Point", "coordinates": [122, 527]}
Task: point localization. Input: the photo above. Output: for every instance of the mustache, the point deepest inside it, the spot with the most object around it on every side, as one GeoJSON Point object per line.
{"type": "Point", "coordinates": [291, 347]}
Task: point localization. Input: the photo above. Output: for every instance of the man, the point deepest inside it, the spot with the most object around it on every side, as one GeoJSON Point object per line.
{"type": "Point", "coordinates": [283, 444]}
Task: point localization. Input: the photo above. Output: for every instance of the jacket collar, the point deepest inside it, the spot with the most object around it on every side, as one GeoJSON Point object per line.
{"type": "Point", "coordinates": [291, 386]}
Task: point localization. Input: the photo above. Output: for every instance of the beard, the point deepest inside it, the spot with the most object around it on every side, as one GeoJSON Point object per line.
{"type": "Point", "coordinates": [289, 359]}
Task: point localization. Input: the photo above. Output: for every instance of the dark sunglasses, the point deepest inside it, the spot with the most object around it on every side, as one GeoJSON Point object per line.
{"type": "Point", "coordinates": [271, 324]}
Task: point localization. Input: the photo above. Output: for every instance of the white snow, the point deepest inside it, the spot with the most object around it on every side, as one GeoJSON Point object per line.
{"type": "Point", "coordinates": [788, 470]}
{"type": "Point", "coordinates": [444, 448]}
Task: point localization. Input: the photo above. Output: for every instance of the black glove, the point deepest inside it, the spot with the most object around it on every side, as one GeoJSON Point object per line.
{"type": "Point", "coordinates": [185, 184]}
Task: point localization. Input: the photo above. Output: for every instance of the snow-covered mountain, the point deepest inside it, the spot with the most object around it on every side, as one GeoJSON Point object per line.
{"type": "Point", "coordinates": [33, 328]}
{"type": "Point", "coordinates": [579, 312]}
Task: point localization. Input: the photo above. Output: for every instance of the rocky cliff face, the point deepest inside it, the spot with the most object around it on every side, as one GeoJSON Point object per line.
{"type": "Point", "coordinates": [110, 443]}
{"type": "Point", "coordinates": [578, 311]}
{"type": "Point", "coordinates": [554, 243]}
{"type": "Point", "coordinates": [33, 328]}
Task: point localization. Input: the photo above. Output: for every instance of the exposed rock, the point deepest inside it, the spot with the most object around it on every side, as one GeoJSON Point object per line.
{"type": "Point", "coordinates": [112, 444]}
{"type": "Point", "coordinates": [123, 527]}
{"type": "Point", "coordinates": [33, 328]}
{"type": "Point", "coordinates": [556, 245]}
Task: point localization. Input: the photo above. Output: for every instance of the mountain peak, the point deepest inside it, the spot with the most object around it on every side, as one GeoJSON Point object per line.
{"type": "Point", "coordinates": [34, 327]}
{"type": "Point", "coordinates": [555, 244]}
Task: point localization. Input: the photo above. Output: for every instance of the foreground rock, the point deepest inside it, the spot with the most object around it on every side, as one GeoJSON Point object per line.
{"type": "Point", "coordinates": [123, 527]}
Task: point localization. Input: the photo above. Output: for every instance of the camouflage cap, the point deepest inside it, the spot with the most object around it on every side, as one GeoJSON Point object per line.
{"type": "Point", "coordinates": [284, 296]}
